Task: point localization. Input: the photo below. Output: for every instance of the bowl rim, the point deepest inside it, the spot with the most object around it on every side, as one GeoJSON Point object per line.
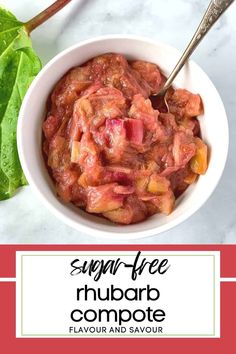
{"type": "Point", "coordinates": [105, 234]}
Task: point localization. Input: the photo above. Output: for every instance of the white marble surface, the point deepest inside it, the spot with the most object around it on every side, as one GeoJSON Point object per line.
{"type": "Point", "coordinates": [23, 219]}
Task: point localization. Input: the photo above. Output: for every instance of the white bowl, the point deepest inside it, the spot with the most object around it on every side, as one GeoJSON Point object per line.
{"type": "Point", "coordinates": [214, 128]}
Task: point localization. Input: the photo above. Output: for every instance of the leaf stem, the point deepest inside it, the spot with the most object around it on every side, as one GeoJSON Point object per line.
{"type": "Point", "coordinates": [45, 15]}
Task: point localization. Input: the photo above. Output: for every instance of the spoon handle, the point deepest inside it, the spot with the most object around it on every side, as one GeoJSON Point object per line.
{"type": "Point", "coordinates": [215, 9]}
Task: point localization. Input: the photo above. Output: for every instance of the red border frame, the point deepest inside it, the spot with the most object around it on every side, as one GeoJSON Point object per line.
{"type": "Point", "coordinates": [9, 344]}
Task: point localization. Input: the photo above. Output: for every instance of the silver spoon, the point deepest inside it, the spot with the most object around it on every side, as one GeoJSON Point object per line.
{"type": "Point", "coordinates": [214, 11]}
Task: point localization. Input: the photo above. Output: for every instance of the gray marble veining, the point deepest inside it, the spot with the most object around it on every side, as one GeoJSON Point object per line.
{"type": "Point", "coordinates": [23, 219]}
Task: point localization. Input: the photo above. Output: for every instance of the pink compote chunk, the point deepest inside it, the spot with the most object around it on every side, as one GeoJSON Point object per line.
{"type": "Point", "coordinates": [110, 152]}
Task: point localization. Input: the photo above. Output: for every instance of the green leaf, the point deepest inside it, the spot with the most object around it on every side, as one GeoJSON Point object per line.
{"type": "Point", "coordinates": [19, 65]}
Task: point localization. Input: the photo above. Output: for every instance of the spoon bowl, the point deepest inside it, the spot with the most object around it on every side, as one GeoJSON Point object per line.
{"type": "Point", "coordinates": [192, 77]}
